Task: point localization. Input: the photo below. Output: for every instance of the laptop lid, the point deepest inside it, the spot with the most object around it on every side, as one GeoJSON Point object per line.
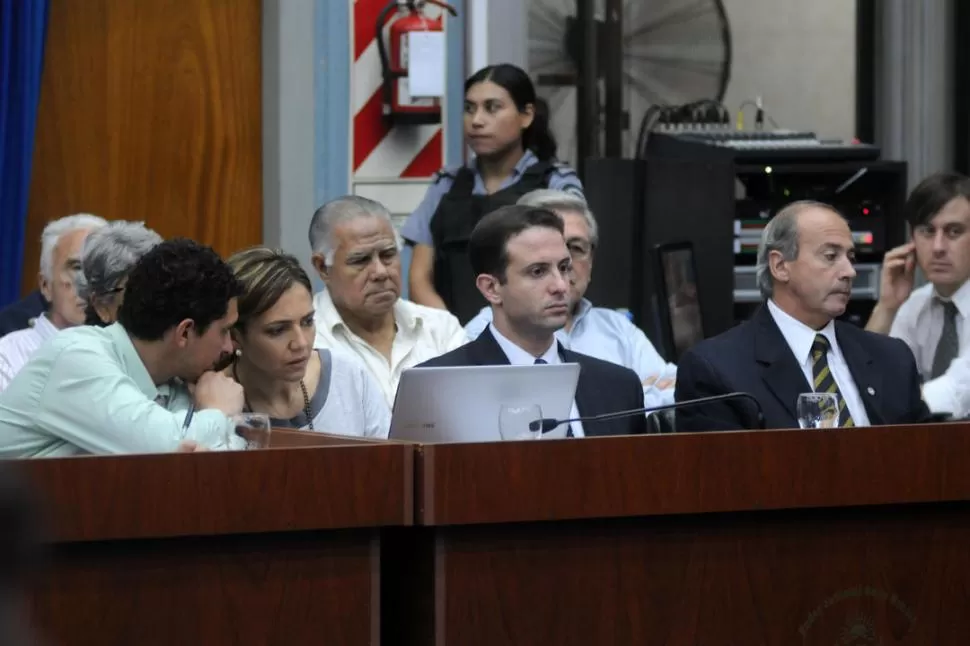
{"type": "Point", "coordinates": [462, 403]}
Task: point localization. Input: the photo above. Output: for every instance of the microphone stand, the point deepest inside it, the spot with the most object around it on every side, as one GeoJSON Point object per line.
{"type": "Point", "coordinates": [549, 424]}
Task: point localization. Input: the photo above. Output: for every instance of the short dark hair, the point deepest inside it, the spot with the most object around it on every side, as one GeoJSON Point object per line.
{"type": "Point", "coordinates": [932, 194]}
{"type": "Point", "coordinates": [488, 245]}
{"type": "Point", "coordinates": [176, 280]}
{"type": "Point", "coordinates": [265, 275]}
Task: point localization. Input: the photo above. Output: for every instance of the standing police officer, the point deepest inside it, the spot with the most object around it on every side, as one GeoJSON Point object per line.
{"type": "Point", "coordinates": [514, 154]}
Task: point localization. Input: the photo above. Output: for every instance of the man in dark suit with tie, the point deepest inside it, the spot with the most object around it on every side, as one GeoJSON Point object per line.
{"type": "Point", "coordinates": [522, 265]}
{"type": "Point", "coordinates": [794, 345]}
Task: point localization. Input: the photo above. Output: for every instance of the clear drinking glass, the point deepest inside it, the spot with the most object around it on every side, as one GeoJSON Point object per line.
{"type": "Point", "coordinates": [520, 422]}
{"type": "Point", "coordinates": [249, 431]}
{"type": "Point", "coordinates": [817, 410]}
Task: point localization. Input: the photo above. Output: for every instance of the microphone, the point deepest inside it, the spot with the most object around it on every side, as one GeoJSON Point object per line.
{"type": "Point", "coordinates": [549, 423]}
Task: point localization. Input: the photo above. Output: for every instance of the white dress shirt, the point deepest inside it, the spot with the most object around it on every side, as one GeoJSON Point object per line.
{"type": "Point", "coordinates": [423, 333]}
{"type": "Point", "coordinates": [610, 336]}
{"type": "Point", "coordinates": [519, 357]}
{"type": "Point", "coordinates": [800, 338]}
{"type": "Point", "coordinates": [919, 323]}
{"type": "Point", "coordinates": [17, 347]}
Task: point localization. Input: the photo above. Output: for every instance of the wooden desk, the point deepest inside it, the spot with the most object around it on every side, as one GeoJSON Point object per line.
{"type": "Point", "coordinates": [859, 536]}
{"type": "Point", "coordinates": [262, 547]}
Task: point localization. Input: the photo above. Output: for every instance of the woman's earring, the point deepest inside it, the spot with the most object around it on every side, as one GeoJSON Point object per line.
{"type": "Point", "coordinates": [238, 352]}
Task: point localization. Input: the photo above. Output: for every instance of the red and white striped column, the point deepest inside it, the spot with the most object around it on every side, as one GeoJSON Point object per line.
{"type": "Point", "coordinates": [382, 155]}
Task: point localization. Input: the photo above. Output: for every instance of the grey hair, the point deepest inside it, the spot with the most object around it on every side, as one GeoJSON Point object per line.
{"type": "Point", "coordinates": [554, 200]}
{"type": "Point", "coordinates": [339, 210]}
{"type": "Point", "coordinates": [109, 254]}
{"type": "Point", "coordinates": [781, 235]}
{"type": "Point", "coordinates": [55, 230]}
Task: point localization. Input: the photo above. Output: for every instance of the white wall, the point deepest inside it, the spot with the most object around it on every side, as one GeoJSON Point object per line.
{"type": "Point", "coordinates": [288, 115]}
{"type": "Point", "coordinates": [799, 56]}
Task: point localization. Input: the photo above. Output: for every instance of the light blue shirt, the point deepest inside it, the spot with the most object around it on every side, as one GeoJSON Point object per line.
{"type": "Point", "coordinates": [87, 391]}
{"type": "Point", "coordinates": [417, 228]}
{"type": "Point", "coordinates": [610, 336]}
{"type": "Point", "coordinates": [519, 357]}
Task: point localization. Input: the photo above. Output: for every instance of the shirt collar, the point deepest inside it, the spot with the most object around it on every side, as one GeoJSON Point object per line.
{"type": "Point", "coordinates": [799, 336]}
{"type": "Point", "coordinates": [585, 306]}
{"type": "Point", "coordinates": [519, 357]}
{"type": "Point", "coordinates": [326, 313]}
{"type": "Point", "coordinates": [528, 159]}
{"type": "Point", "coordinates": [44, 328]}
{"type": "Point", "coordinates": [960, 298]}
{"type": "Point", "coordinates": [134, 366]}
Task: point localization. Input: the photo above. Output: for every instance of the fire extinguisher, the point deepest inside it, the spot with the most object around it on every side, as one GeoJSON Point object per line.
{"type": "Point", "coordinates": [399, 107]}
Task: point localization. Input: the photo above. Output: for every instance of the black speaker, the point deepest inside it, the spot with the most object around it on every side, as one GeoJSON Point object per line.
{"type": "Point", "coordinates": [640, 204]}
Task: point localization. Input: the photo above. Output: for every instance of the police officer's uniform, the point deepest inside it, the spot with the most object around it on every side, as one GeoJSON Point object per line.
{"type": "Point", "coordinates": [455, 203]}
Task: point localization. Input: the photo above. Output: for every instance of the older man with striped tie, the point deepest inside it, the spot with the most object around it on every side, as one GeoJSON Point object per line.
{"type": "Point", "coordinates": [794, 345]}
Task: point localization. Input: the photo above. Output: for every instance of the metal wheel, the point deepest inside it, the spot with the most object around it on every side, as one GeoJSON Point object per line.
{"type": "Point", "coordinates": [674, 52]}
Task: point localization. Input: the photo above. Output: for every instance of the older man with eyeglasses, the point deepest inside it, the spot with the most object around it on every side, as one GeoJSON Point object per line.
{"type": "Point", "coordinates": [596, 331]}
{"type": "Point", "coordinates": [60, 251]}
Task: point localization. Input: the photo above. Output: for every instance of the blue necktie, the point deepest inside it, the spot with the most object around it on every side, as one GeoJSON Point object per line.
{"type": "Point", "coordinates": [569, 428]}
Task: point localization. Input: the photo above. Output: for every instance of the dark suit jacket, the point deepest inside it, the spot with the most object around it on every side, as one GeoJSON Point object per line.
{"type": "Point", "coordinates": [17, 316]}
{"type": "Point", "coordinates": [603, 387]}
{"type": "Point", "coordinates": [755, 358]}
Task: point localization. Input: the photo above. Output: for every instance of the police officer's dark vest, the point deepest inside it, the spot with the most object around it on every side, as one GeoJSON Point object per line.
{"type": "Point", "coordinates": [451, 226]}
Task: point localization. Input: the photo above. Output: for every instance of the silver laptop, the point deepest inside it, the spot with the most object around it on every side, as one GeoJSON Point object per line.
{"type": "Point", "coordinates": [462, 404]}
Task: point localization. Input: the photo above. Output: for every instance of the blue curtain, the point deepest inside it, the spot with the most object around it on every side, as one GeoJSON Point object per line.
{"type": "Point", "coordinates": [23, 24]}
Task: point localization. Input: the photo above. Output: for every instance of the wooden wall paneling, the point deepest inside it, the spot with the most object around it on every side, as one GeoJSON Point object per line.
{"type": "Point", "coordinates": [151, 111]}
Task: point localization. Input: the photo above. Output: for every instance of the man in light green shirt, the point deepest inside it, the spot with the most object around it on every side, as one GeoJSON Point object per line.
{"type": "Point", "coordinates": [121, 389]}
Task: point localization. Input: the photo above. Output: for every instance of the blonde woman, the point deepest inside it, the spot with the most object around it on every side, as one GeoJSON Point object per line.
{"type": "Point", "coordinates": [281, 372]}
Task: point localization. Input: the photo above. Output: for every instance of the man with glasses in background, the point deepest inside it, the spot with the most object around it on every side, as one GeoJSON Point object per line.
{"type": "Point", "coordinates": [60, 260]}
{"type": "Point", "coordinates": [595, 331]}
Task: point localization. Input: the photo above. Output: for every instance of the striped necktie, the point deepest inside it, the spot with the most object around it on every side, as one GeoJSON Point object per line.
{"type": "Point", "coordinates": [824, 380]}
{"type": "Point", "coordinates": [569, 428]}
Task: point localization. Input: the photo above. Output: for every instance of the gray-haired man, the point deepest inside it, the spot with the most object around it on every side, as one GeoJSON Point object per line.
{"type": "Point", "coordinates": [60, 251]}
{"type": "Point", "coordinates": [794, 345]}
{"type": "Point", "coordinates": [357, 254]}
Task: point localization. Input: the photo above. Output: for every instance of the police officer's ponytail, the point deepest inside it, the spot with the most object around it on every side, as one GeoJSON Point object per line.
{"type": "Point", "coordinates": [517, 83]}
{"type": "Point", "coordinates": [537, 137]}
